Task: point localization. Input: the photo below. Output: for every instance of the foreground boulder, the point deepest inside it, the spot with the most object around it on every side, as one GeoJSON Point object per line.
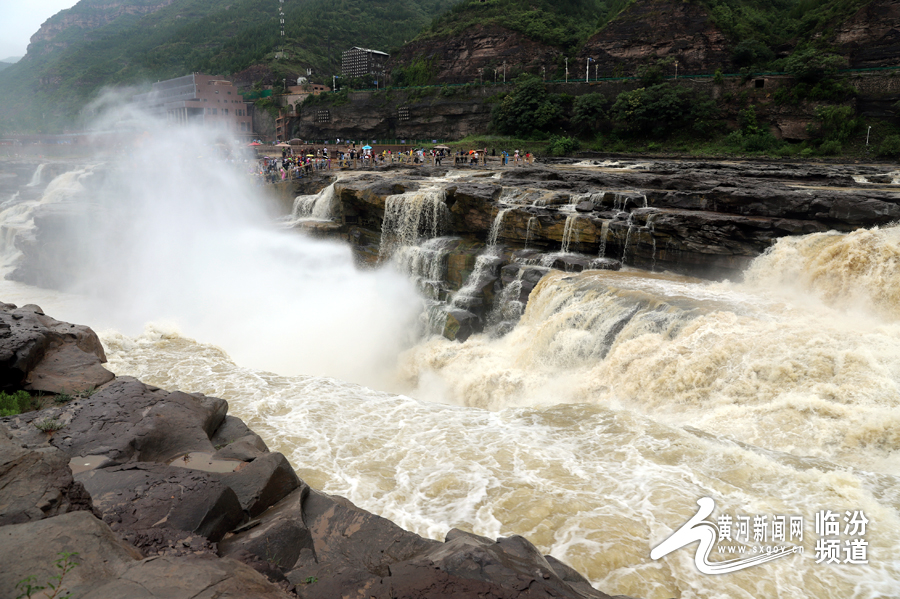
{"type": "Point", "coordinates": [129, 421]}
{"type": "Point", "coordinates": [108, 568]}
{"type": "Point", "coordinates": [40, 353]}
{"type": "Point", "coordinates": [36, 483]}
{"type": "Point", "coordinates": [135, 498]}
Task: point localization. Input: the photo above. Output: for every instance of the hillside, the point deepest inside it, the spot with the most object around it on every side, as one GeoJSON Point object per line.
{"type": "Point", "coordinates": [475, 38]}
{"type": "Point", "coordinates": [76, 52]}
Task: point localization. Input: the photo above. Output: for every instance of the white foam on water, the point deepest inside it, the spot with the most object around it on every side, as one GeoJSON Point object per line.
{"type": "Point", "coordinates": [593, 485]}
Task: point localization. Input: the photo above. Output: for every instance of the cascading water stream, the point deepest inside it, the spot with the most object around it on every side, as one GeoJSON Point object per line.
{"type": "Point", "coordinates": [570, 232]}
{"type": "Point", "coordinates": [496, 226]}
{"type": "Point", "coordinates": [604, 235]}
{"type": "Point", "coordinates": [36, 177]}
{"type": "Point", "coordinates": [529, 228]}
{"type": "Point", "coordinates": [411, 217]}
{"type": "Point", "coordinates": [315, 207]}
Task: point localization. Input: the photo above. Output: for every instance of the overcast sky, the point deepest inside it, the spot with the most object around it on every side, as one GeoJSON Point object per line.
{"type": "Point", "coordinates": [20, 19]}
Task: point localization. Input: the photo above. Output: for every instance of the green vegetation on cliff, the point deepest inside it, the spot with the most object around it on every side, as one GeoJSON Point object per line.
{"type": "Point", "coordinates": [561, 23]}
{"type": "Point", "coordinates": [755, 24]}
{"type": "Point", "coordinates": [47, 90]}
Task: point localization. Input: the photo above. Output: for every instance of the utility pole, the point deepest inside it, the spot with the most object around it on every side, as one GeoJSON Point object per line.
{"type": "Point", "coordinates": [676, 69]}
{"type": "Point", "coordinates": [567, 69]}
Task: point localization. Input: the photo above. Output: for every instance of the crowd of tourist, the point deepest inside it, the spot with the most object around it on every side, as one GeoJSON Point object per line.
{"type": "Point", "coordinates": [295, 164]}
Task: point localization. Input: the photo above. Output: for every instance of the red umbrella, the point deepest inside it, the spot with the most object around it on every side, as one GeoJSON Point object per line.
{"type": "Point", "coordinates": [254, 143]}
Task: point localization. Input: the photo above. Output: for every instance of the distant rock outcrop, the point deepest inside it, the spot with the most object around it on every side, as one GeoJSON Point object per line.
{"type": "Point", "coordinates": [85, 17]}
{"type": "Point", "coordinates": [478, 53]}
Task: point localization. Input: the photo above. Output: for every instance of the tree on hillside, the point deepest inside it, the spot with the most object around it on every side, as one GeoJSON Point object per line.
{"type": "Point", "coordinates": [662, 109]}
{"type": "Point", "coordinates": [529, 109]}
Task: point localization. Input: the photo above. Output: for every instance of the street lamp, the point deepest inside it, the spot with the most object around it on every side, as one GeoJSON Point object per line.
{"type": "Point", "coordinates": [869, 130]}
{"type": "Point", "coordinates": [544, 73]}
{"type": "Point", "coordinates": [587, 70]}
{"type": "Point", "coordinates": [567, 69]}
{"type": "Point", "coordinates": [504, 71]}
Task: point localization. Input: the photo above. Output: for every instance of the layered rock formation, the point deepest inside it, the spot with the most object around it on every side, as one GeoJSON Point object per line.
{"type": "Point", "coordinates": [871, 37]}
{"type": "Point", "coordinates": [139, 492]}
{"type": "Point", "coordinates": [476, 55]}
{"type": "Point", "coordinates": [652, 29]}
{"type": "Point", "coordinates": [477, 245]}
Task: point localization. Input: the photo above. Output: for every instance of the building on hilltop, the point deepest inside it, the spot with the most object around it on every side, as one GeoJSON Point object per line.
{"type": "Point", "coordinates": [199, 98]}
{"type": "Point", "coordinates": [358, 62]}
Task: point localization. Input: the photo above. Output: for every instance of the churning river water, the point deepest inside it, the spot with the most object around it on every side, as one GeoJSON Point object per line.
{"type": "Point", "coordinates": [775, 396]}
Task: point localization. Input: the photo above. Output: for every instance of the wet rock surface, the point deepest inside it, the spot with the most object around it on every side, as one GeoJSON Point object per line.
{"type": "Point", "coordinates": [702, 218]}
{"type": "Point", "coordinates": [173, 498]}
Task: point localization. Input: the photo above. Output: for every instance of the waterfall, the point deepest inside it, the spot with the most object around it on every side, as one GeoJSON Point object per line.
{"type": "Point", "coordinates": [604, 234]}
{"type": "Point", "coordinates": [17, 218]}
{"type": "Point", "coordinates": [425, 264]}
{"type": "Point", "coordinates": [468, 292]}
{"type": "Point", "coordinates": [12, 200]}
{"type": "Point", "coordinates": [36, 177]}
{"type": "Point", "coordinates": [569, 230]}
{"type": "Point", "coordinates": [528, 229]}
{"type": "Point", "coordinates": [495, 227]}
{"type": "Point", "coordinates": [319, 206]}
{"type": "Point", "coordinates": [411, 217]}
{"type": "Point", "coordinates": [630, 222]}
{"type": "Point", "coordinates": [509, 308]}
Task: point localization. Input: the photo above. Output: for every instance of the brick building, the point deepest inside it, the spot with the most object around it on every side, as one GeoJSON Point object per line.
{"type": "Point", "coordinates": [199, 98]}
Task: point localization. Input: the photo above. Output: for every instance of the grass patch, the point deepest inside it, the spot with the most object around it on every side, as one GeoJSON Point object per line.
{"type": "Point", "coordinates": [15, 403]}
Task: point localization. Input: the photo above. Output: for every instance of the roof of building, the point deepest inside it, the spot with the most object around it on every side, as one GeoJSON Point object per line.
{"type": "Point", "coordinates": [368, 50]}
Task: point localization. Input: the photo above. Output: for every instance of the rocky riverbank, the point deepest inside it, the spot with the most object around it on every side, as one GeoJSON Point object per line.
{"type": "Point", "coordinates": [163, 494]}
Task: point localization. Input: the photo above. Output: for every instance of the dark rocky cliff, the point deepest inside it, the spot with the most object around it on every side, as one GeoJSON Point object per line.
{"type": "Point", "coordinates": [502, 231]}
{"type": "Point", "coordinates": [871, 38]}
